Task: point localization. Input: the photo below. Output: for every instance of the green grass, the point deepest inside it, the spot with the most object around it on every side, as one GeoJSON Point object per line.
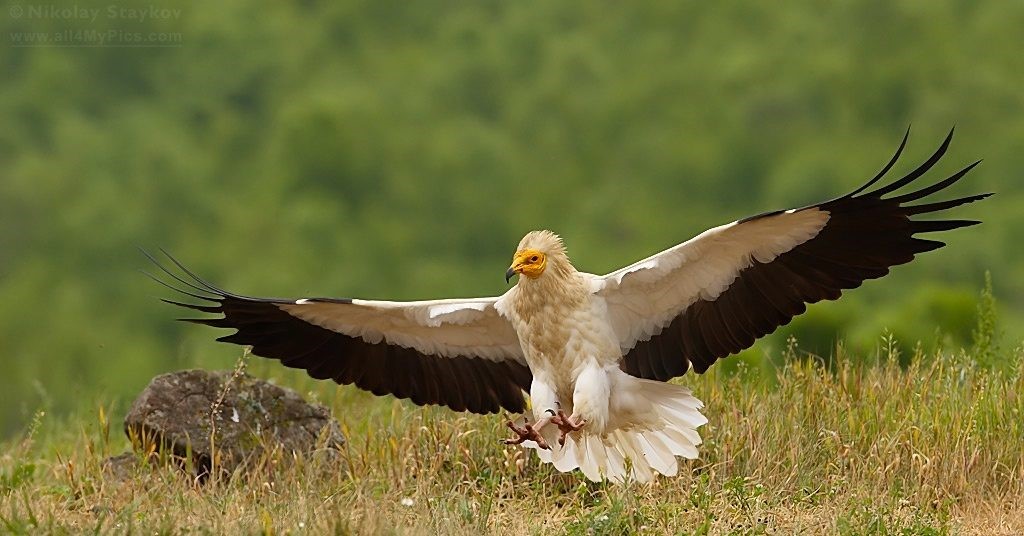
{"type": "Point", "coordinates": [930, 448]}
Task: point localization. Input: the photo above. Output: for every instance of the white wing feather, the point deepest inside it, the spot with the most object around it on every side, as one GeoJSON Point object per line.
{"type": "Point", "coordinates": [448, 328]}
{"type": "Point", "coordinates": [645, 296]}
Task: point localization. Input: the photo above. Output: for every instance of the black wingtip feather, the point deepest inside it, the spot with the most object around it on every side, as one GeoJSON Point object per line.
{"type": "Point", "coordinates": [233, 338]}
{"type": "Point", "coordinates": [212, 309]}
{"type": "Point", "coordinates": [886, 168]}
{"type": "Point", "coordinates": [945, 183]}
{"type": "Point", "coordinates": [214, 322]}
{"type": "Point", "coordinates": [943, 205]}
{"type": "Point", "coordinates": [927, 245]}
{"type": "Point", "coordinates": [209, 288]}
{"type": "Point", "coordinates": [174, 275]}
{"type": "Point", "coordinates": [920, 170]}
{"type": "Point", "coordinates": [176, 289]}
{"type": "Point", "coordinates": [930, 226]}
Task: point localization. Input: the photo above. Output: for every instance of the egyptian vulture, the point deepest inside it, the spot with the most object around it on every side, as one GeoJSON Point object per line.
{"type": "Point", "coordinates": [595, 353]}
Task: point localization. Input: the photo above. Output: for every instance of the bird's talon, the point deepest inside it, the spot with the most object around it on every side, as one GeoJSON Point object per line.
{"type": "Point", "coordinates": [526, 433]}
{"type": "Point", "coordinates": [566, 425]}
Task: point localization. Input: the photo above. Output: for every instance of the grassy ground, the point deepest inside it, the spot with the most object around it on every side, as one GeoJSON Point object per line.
{"type": "Point", "coordinates": [933, 448]}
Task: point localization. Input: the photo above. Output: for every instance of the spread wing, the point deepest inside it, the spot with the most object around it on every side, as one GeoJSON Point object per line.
{"type": "Point", "coordinates": [714, 295]}
{"type": "Point", "coordinates": [457, 353]}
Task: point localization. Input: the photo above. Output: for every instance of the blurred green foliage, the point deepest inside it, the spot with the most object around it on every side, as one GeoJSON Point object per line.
{"type": "Point", "coordinates": [399, 150]}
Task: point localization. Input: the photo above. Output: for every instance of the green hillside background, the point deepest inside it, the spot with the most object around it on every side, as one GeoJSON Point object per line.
{"type": "Point", "coordinates": [399, 150]}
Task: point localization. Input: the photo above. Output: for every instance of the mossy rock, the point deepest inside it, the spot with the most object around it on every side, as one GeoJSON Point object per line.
{"type": "Point", "coordinates": [218, 420]}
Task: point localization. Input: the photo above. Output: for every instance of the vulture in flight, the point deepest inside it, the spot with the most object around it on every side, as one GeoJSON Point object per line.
{"type": "Point", "coordinates": [595, 352]}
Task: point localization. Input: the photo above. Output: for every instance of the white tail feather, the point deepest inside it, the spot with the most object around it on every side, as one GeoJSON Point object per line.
{"type": "Point", "coordinates": [663, 427]}
{"type": "Point", "coordinates": [616, 462]}
{"type": "Point", "coordinates": [682, 443]}
{"type": "Point", "coordinates": [592, 460]}
{"type": "Point", "coordinates": [640, 472]}
{"type": "Point", "coordinates": [659, 456]}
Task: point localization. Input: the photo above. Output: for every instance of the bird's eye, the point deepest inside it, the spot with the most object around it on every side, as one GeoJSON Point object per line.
{"type": "Point", "coordinates": [534, 258]}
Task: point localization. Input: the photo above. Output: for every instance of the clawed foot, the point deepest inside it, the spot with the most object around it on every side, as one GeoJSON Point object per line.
{"type": "Point", "coordinates": [526, 433]}
{"type": "Point", "coordinates": [565, 423]}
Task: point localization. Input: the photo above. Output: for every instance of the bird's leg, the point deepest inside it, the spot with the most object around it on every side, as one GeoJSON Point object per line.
{"type": "Point", "coordinates": [566, 424]}
{"type": "Point", "coordinates": [529, 432]}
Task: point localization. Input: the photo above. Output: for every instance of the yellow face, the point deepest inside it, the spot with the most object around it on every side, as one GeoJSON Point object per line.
{"type": "Point", "coordinates": [528, 262]}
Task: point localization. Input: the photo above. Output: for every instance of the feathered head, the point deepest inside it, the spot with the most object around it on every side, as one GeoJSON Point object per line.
{"type": "Point", "coordinates": [539, 252]}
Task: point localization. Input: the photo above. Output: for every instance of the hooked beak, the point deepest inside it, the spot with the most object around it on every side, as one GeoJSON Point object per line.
{"type": "Point", "coordinates": [509, 273]}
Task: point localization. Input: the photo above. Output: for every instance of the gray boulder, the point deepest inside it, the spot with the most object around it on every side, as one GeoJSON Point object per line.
{"type": "Point", "coordinates": [179, 413]}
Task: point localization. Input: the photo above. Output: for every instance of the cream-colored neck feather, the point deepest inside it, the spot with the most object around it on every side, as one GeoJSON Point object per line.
{"type": "Point", "coordinates": [559, 285]}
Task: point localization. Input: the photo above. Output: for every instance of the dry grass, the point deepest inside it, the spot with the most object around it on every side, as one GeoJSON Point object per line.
{"type": "Point", "coordinates": [933, 448]}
